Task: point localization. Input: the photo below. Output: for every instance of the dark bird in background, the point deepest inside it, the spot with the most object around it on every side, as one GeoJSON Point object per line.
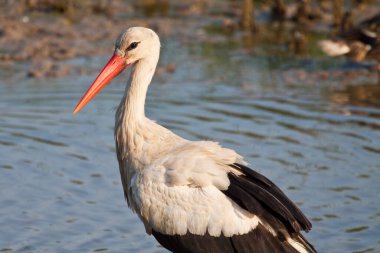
{"type": "Point", "coordinates": [358, 43]}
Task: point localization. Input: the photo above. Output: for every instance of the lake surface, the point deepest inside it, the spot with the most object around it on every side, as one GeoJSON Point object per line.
{"type": "Point", "coordinates": [319, 140]}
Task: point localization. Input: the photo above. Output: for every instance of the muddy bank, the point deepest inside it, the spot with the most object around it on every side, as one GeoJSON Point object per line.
{"type": "Point", "coordinates": [45, 34]}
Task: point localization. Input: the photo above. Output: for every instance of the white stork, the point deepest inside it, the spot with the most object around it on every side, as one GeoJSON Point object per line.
{"type": "Point", "coordinates": [191, 196]}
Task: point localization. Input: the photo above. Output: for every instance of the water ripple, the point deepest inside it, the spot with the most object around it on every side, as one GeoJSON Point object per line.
{"type": "Point", "coordinates": [59, 174]}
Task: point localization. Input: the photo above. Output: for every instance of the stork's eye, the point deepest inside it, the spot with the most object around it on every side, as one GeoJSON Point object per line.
{"type": "Point", "coordinates": [132, 46]}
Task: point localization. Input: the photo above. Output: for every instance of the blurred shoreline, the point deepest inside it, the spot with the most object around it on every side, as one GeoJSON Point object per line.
{"type": "Point", "coordinates": [45, 34]}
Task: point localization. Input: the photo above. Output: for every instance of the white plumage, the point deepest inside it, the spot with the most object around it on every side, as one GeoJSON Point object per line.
{"type": "Point", "coordinates": [334, 48]}
{"type": "Point", "coordinates": [182, 189]}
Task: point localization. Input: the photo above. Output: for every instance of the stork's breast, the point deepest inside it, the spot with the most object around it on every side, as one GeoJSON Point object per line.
{"type": "Point", "coordinates": [176, 210]}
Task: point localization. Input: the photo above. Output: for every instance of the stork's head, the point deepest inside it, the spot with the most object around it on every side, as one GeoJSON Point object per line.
{"type": "Point", "coordinates": [137, 43]}
{"type": "Point", "coordinates": [133, 45]}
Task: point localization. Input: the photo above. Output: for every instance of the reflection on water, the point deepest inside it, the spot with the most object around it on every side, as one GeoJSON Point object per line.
{"type": "Point", "coordinates": [358, 95]}
{"type": "Point", "coordinates": [59, 182]}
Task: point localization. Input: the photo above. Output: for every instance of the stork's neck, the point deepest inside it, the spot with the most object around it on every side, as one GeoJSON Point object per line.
{"type": "Point", "coordinates": [130, 116]}
{"type": "Point", "coordinates": [135, 92]}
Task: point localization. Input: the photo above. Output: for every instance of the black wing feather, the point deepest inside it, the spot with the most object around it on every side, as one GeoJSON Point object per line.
{"type": "Point", "coordinates": [266, 199]}
{"type": "Point", "coordinates": [249, 203]}
{"type": "Point", "coordinates": [190, 243]}
{"type": "Point", "coordinates": [272, 197]}
{"type": "Point", "coordinates": [259, 240]}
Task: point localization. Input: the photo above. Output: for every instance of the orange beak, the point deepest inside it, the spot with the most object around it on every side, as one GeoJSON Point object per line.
{"type": "Point", "coordinates": [114, 66]}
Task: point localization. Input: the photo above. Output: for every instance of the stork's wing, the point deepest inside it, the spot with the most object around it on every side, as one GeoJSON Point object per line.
{"type": "Point", "coordinates": [257, 194]}
{"type": "Point", "coordinates": [199, 198]}
{"type": "Point", "coordinates": [278, 231]}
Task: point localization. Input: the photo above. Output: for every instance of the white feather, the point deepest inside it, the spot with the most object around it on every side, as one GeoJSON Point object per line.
{"type": "Point", "coordinates": [298, 246]}
{"type": "Point", "coordinates": [175, 188]}
{"type": "Point", "coordinates": [181, 209]}
{"type": "Point", "coordinates": [333, 48]}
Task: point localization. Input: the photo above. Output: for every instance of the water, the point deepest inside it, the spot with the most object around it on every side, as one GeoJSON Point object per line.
{"type": "Point", "coordinates": [60, 189]}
